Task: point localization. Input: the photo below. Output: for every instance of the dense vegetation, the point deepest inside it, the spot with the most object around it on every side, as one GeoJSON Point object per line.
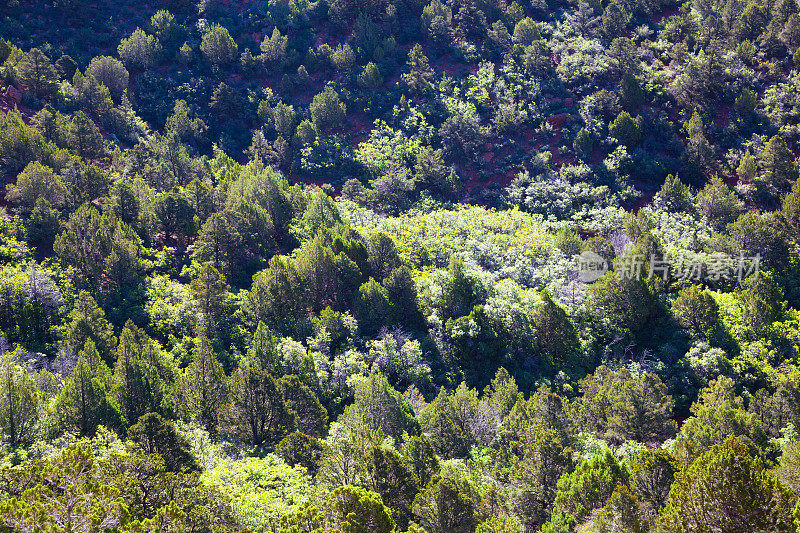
{"type": "Point", "coordinates": [295, 266]}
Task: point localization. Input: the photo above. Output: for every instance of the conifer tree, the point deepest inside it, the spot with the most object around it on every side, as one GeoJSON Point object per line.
{"type": "Point", "coordinates": [86, 400]}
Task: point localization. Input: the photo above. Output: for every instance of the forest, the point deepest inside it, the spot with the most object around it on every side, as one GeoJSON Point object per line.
{"type": "Point", "coordinates": [400, 266]}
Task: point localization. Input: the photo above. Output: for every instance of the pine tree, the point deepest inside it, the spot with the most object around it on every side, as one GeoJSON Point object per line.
{"type": "Point", "coordinates": [790, 212]}
{"type": "Point", "coordinates": [622, 512]}
{"type": "Point", "coordinates": [37, 73]}
{"type": "Point", "coordinates": [312, 417]}
{"type": "Point", "coordinates": [273, 49]}
{"type": "Point", "coordinates": [327, 110]}
{"type": "Point", "coordinates": [218, 46]}
{"type": "Point", "coordinates": [203, 387]}
{"type": "Point", "coordinates": [19, 403]}
{"type": "Point", "coordinates": [355, 510]}
{"type": "Point", "coordinates": [140, 50]}
{"type": "Point", "coordinates": [420, 77]}
{"type": "Point", "coordinates": [726, 489]}
{"type": "Point", "coordinates": [556, 335]}
{"type": "Point", "coordinates": [422, 458]}
{"type": "Point", "coordinates": [389, 475]}
{"type": "Point", "coordinates": [446, 506]}
{"type": "Point", "coordinates": [625, 129]}
{"type": "Point", "coordinates": [696, 310]}
{"type": "Point", "coordinates": [87, 321]}
{"type": "Point", "coordinates": [85, 137]}
{"type": "Point", "coordinates": [778, 163]}
{"type": "Point", "coordinates": [154, 435]}
{"type": "Point", "coordinates": [139, 387]}
{"type": "Point", "coordinates": [86, 400]}
{"type": "Point", "coordinates": [257, 412]}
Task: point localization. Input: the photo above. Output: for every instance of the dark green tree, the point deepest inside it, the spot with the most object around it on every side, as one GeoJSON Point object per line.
{"type": "Point", "coordinates": [154, 435]}
{"type": "Point", "coordinates": [203, 388]}
{"type": "Point", "coordinates": [422, 458]}
{"type": "Point", "coordinates": [312, 417]}
{"type": "Point", "coordinates": [257, 411]}
{"type": "Point", "coordinates": [37, 73]}
{"type": "Point", "coordinates": [726, 489]}
{"type": "Point", "coordinates": [86, 400]}
{"type": "Point", "coordinates": [420, 76]}
{"type": "Point", "coordinates": [352, 509]}
{"type": "Point", "coordinates": [327, 110]}
{"type": "Point", "coordinates": [697, 311]}
{"type": "Point", "coordinates": [138, 381]}
{"type": "Point", "coordinates": [445, 506]}
{"type": "Point", "coordinates": [389, 475]}
{"type": "Point", "coordinates": [87, 321]}
{"type": "Point", "coordinates": [20, 400]}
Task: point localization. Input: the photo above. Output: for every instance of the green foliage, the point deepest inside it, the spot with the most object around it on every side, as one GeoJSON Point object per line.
{"type": "Point", "coordinates": [86, 401]}
{"type": "Point", "coordinates": [718, 203]}
{"type": "Point", "coordinates": [110, 72]}
{"type": "Point", "coordinates": [717, 414]}
{"type": "Point", "coordinates": [37, 73]}
{"type": "Point", "coordinates": [675, 194]}
{"type": "Point", "coordinates": [652, 474]}
{"type": "Point", "coordinates": [154, 435]}
{"type": "Point", "coordinates": [625, 129]}
{"type": "Point", "coordinates": [37, 182]}
{"type": "Point", "coordinates": [446, 506]}
{"type": "Point", "coordinates": [139, 371]}
{"type": "Point", "coordinates": [620, 407]}
{"type": "Point", "coordinates": [218, 46]}
{"type": "Point", "coordinates": [261, 490]}
{"type": "Point", "coordinates": [628, 304]}
{"type": "Point", "coordinates": [20, 400]}
{"type": "Point", "coordinates": [777, 161]}
{"type": "Point", "coordinates": [421, 458]}
{"type": "Point", "coordinates": [447, 161]}
{"type": "Point", "coordinates": [621, 512]}
{"type": "Point", "coordinates": [103, 249]}
{"type": "Point", "coordinates": [327, 110]}
{"type": "Point", "coordinates": [300, 449]}
{"type": "Point", "coordinates": [354, 510]}
{"type": "Point", "coordinates": [589, 486]}
{"type": "Point", "coordinates": [202, 387]}
{"type": "Point", "coordinates": [697, 311]}
{"type": "Point", "coordinates": [455, 421]}
{"type": "Point", "coordinates": [730, 490]}
{"type": "Point", "coordinates": [421, 75]}
{"type": "Point", "coordinates": [790, 211]}
{"type": "Point", "coordinates": [140, 50]}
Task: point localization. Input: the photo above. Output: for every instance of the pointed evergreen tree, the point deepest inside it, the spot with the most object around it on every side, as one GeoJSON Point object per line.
{"type": "Point", "coordinates": [263, 351]}
{"type": "Point", "coordinates": [86, 400]}
{"type": "Point", "coordinates": [777, 160]}
{"type": "Point", "coordinates": [389, 475]}
{"type": "Point", "coordinates": [87, 322]}
{"type": "Point", "coordinates": [556, 335]}
{"type": "Point", "coordinates": [19, 403]}
{"type": "Point", "coordinates": [37, 73]}
{"type": "Point", "coordinates": [154, 435]}
{"type": "Point", "coordinates": [726, 489]}
{"type": "Point", "coordinates": [622, 512]}
{"type": "Point", "coordinates": [420, 76]}
{"type": "Point", "coordinates": [138, 386]}
{"type": "Point", "coordinates": [790, 212]}
{"type": "Point", "coordinates": [257, 411]}
{"type": "Point", "coordinates": [203, 387]}
{"type": "Point", "coordinates": [312, 417]}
